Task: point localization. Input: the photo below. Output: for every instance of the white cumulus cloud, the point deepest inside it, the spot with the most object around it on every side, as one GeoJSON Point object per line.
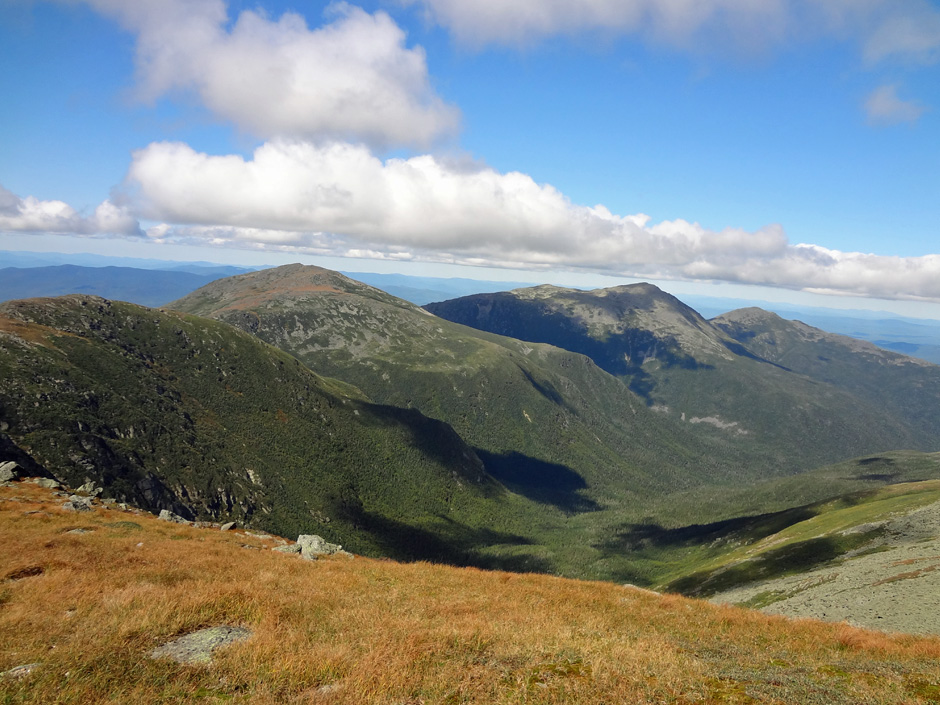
{"type": "Point", "coordinates": [353, 78]}
{"type": "Point", "coordinates": [884, 107]}
{"type": "Point", "coordinates": [673, 21]}
{"type": "Point", "coordinates": [339, 199]}
{"type": "Point", "coordinates": [907, 28]}
{"type": "Point", "coordinates": [33, 215]}
{"type": "Point", "coordinates": [421, 202]}
{"type": "Point", "coordinates": [910, 29]}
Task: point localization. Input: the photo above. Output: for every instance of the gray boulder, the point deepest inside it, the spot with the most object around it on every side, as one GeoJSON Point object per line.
{"type": "Point", "coordinates": [228, 526]}
{"type": "Point", "coordinates": [90, 489]}
{"type": "Point", "coordinates": [48, 483]}
{"type": "Point", "coordinates": [167, 515]}
{"type": "Point", "coordinates": [78, 504]}
{"type": "Point", "coordinates": [312, 546]}
{"type": "Point", "coordinates": [10, 471]}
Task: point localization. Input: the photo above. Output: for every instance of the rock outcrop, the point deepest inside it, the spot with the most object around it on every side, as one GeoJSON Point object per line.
{"type": "Point", "coordinates": [198, 647]}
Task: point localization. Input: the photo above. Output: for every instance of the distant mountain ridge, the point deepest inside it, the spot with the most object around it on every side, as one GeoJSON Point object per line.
{"type": "Point", "coordinates": [693, 370]}
{"type": "Point", "coordinates": [910, 336]}
{"type": "Point", "coordinates": [905, 387]}
{"type": "Point", "coordinates": [144, 287]}
{"type": "Point", "coordinates": [22, 259]}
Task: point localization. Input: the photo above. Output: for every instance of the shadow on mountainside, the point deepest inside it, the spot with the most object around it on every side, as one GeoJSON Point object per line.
{"type": "Point", "coordinates": [621, 354]}
{"type": "Point", "coordinates": [798, 557]}
{"type": "Point", "coordinates": [545, 389]}
{"type": "Point", "coordinates": [696, 541]}
{"type": "Point", "coordinates": [454, 543]}
{"type": "Point", "coordinates": [539, 480]}
{"type": "Point", "coordinates": [636, 537]}
{"type": "Point", "coordinates": [659, 545]}
{"type": "Point", "coordinates": [434, 439]}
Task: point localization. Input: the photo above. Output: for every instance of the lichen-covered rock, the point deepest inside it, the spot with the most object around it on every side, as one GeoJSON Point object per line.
{"type": "Point", "coordinates": [167, 515]}
{"type": "Point", "coordinates": [198, 647]}
{"type": "Point", "coordinates": [79, 504]}
{"type": "Point", "coordinates": [90, 489]}
{"type": "Point", "coordinates": [312, 546]}
{"type": "Point", "coordinates": [10, 471]}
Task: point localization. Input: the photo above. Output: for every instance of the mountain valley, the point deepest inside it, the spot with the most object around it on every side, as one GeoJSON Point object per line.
{"type": "Point", "coordinates": [315, 403]}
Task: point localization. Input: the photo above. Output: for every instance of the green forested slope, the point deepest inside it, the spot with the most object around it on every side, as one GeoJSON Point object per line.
{"type": "Point", "coordinates": [173, 411]}
{"type": "Point", "coordinates": [169, 410]}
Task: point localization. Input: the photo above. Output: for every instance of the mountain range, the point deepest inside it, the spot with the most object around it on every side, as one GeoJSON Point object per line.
{"type": "Point", "coordinates": [613, 434]}
{"type": "Point", "coordinates": [145, 287]}
{"type": "Point", "coordinates": [793, 396]}
{"type": "Point", "coordinates": [151, 286]}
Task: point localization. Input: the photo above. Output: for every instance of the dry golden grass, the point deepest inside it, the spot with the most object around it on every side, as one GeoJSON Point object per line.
{"type": "Point", "coordinates": [89, 607]}
{"type": "Point", "coordinates": [909, 575]}
{"type": "Point", "coordinates": [29, 332]}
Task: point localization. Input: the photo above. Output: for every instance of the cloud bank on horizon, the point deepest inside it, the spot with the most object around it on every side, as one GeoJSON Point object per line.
{"type": "Point", "coordinates": [327, 101]}
{"type": "Point", "coordinates": [883, 28]}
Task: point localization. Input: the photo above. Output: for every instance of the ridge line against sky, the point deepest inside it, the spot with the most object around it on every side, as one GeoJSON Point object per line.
{"type": "Point", "coordinates": [715, 138]}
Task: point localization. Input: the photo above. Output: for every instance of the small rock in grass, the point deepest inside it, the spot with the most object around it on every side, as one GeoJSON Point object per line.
{"type": "Point", "coordinates": [199, 646]}
{"type": "Point", "coordinates": [227, 527]}
{"type": "Point", "coordinates": [167, 515]}
{"type": "Point", "coordinates": [20, 671]}
{"type": "Point", "coordinates": [78, 504]}
{"type": "Point", "coordinates": [48, 483]}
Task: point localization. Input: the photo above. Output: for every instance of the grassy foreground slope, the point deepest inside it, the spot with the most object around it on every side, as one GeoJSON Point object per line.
{"type": "Point", "coordinates": [89, 607]}
{"type": "Point", "coordinates": [171, 411]}
{"type": "Point", "coordinates": [693, 372]}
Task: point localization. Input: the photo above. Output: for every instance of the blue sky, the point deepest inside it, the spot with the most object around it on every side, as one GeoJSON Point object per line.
{"type": "Point", "coordinates": [792, 145]}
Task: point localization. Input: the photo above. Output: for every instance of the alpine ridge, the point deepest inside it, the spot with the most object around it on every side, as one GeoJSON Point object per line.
{"type": "Point", "coordinates": [718, 384]}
